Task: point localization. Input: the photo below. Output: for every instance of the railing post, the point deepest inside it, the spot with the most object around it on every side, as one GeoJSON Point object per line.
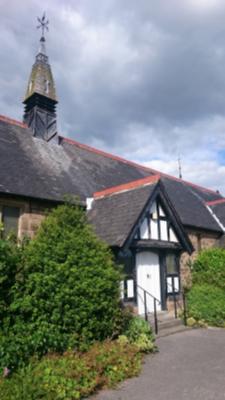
{"type": "Point", "coordinates": [145, 306]}
{"type": "Point", "coordinates": [174, 298]}
{"type": "Point", "coordinates": [185, 308]}
{"type": "Point", "coordinates": [155, 317]}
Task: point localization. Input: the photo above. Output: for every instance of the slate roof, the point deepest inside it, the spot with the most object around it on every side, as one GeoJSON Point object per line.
{"type": "Point", "coordinates": [114, 216]}
{"type": "Point", "coordinates": [218, 208]}
{"type": "Point", "coordinates": [116, 212]}
{"type": "Point", "coordinates": [189, 205]}
{"type": "Point", "coordinates": [33, 168]}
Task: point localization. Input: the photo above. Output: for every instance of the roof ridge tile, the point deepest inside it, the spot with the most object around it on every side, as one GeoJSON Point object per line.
{"type": "Point", "coordinates": [215, 202]}
{"type": "Point", "coordinates": [12, 121]}
{"type": "Point", "coordinates": [134, 164]}
{"type": "Point", "coordinates": [148, 180]}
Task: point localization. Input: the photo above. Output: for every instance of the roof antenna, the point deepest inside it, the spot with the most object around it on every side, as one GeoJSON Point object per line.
{"type": "Point", "coordinates": [179, 167]}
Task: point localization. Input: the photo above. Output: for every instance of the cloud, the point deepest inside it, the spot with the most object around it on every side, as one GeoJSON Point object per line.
{"type": "Point", "coordinates": [141, 79]}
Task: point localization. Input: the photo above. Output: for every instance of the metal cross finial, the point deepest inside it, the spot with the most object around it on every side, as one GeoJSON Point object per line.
{"type": "Point", "coordinates": [43, 24]}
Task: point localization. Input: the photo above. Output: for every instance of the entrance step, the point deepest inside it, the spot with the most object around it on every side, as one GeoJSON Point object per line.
{"type": "Point", "coordinates": [168, 324]}
{"type": "Point", "coordinates": [172, 330]}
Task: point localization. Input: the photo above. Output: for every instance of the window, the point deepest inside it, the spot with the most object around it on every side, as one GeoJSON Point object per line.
{"type": "Point", "coordinates": [10, 220]}
{"type": "Point", "coordinates": [171, 264]}
{"type": "Point", "coordinates": [172, 274]}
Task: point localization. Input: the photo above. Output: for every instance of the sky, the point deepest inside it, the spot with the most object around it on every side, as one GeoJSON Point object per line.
{"type": "Point", "coordinates": [141, 79]}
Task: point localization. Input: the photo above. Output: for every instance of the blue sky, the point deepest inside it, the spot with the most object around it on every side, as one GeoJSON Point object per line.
{"type": "Point", "coordinates": [144, 80]}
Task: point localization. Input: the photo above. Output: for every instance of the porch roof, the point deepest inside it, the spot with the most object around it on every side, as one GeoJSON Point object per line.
{"type": "Point", "coordinates": [114, 216]}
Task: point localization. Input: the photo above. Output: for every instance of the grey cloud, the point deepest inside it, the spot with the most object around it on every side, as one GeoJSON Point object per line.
{"type": "Point", "coordinates": [128, 73]}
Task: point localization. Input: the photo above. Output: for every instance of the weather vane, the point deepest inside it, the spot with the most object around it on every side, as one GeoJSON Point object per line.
{"type": "Point", "coordinates": [43, 24]}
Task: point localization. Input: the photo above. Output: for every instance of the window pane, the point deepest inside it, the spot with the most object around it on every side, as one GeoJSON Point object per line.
{"type": "Point", "coordinates": [10, 219]}
{"type": "Point", "coordinates": [171, 264]}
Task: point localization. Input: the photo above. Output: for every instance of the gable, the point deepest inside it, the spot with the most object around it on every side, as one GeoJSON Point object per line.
{"type": "Point", "coordinates": [157, 224]}
{"type": "Point", "coordinates": [145, 211]}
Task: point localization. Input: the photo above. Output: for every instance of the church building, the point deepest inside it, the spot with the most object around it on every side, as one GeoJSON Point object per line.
{"type": "Point", "coordinates": [154, 223]}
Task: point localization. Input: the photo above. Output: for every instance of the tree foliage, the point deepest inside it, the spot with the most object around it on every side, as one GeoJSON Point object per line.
{"type": "Point", "coordinates": [67, 293]}
{"type": "Point", "coordinates": [9, 261]}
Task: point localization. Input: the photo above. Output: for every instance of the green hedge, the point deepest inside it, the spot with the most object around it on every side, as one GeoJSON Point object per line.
{"type": "Point", "coordinates": [207, 303]}
{"type": "Point", "coordinates": [209, 268]}
{"type": "Point", "coordinates": [206, 299]}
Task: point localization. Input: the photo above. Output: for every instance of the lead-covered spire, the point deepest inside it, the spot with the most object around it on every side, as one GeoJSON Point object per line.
{"type": "Point", "coordinates": [40, 98]}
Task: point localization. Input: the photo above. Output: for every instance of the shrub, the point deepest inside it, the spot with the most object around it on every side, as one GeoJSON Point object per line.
{"type": "Point", "coordinates": [9, 260]}
{"type": "Point", "coordinates": [67, 294]}
{"type": "Point", "coordinates": [207, 303]}
{"type": "Point", "coordinates": [139, 333]}
{"type": "Point", "coordinates": [209, 268]}
{"type": "Point", "coordinates": [72, 375]}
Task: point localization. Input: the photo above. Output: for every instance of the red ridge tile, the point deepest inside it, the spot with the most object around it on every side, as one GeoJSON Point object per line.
{"type": "Point", "coordinates": [215, 202]}
{"type": "Point", "coordinates": [12, 121]}
{"type": "Point", "coordinates": [127, 186]}
{"type": "Point", "coordinates": [134, 164]}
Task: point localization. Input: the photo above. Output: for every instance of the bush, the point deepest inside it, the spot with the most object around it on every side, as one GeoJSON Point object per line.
{"type": "Point", "coordinates": [72, 375]}
{"type": "Point", "coordinates": [9, 261]}
{"type": "Point", "coordinates": [139, 333]}
{"type": "Point", "coordinates": [206, 299]}
{"type": "Point", "coordinates": [67, 294]}
{"type": "Point", "coordinates": [209, 268]}
{"type": "Point", "coordinates": [207, 303]}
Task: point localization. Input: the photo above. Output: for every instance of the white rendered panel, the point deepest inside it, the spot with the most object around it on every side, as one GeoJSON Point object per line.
{"type": "Point", "coordinates": [130, 288]}
{"type": "Point", "coordinates": [144, 229]}
{"type": "Point", "coordinates": [173, 237]}
{"type": "Point", "coordinates": [154, 229]}
{"type": "Point", "coordinates": [161, 212]}
{"type": "Point", "coordinates": [148, 277]}
{"type": "Point", "coordinates": [163, 230]}
{"type": "Point", "coordinates": [153, 210]}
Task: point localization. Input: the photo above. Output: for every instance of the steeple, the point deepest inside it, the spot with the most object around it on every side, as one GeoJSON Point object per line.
{"type": "Point", "coordinates": [40, 98]}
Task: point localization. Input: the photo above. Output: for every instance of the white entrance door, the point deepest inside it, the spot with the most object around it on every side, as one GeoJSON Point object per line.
{"type": "Point", "coordinates": [148, 277]}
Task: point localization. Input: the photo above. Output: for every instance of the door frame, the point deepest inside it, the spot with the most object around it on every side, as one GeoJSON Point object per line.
{"type": "Point", "coordinates": [162, 272]}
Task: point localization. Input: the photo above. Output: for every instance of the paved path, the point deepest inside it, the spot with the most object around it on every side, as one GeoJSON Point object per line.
{"type": "Point", "coordinates": [189, 366]}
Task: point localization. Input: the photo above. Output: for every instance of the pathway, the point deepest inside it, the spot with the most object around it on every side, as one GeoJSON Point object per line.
{"type": "Point", "coordinates": [189, 366]}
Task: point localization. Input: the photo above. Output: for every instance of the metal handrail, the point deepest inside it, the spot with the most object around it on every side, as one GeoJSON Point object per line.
{"type": "Point", "coordinates": [176, 301]}
{"type": "Point", "coordinates": [146, 307]}
{"type": "Point", "coordinates": [149, 294]}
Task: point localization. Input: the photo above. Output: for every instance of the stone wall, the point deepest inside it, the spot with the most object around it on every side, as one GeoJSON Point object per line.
{"type": "Point", "coordinates": [32, 214]}
{"type": "Point", "coordinates": [200, 241]}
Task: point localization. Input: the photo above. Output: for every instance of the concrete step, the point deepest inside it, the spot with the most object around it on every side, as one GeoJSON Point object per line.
{"type": "Point", "coordinates": [172, 330]}
{"type": "Point", "coordinates": [167, 324]}
{"type": "Point", "coordinates": [170, 323]}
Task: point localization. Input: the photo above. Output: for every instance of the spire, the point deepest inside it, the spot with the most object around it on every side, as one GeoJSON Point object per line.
{"type": "Point", "coordinates": [40, 98]}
